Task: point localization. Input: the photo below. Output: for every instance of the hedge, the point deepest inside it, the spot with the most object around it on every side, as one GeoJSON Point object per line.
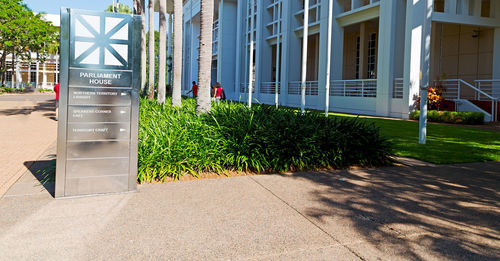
{"type": "Point", "coordinates": [472, 118]}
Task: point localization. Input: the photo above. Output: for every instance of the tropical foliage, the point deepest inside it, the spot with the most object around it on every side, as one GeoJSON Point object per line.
{"type": "Point", "coordinates": [119, 8]}
{"type": "Point", "coordinates": [174, 141]}
{"type": "Point", "coordinates": [23, 33]}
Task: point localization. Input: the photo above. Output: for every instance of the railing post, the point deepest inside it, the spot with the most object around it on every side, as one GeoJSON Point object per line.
{"type": "Point", "coordinates": [344, 87]}
{"type": "Point", "coordinates": [362, 88]}
{"type": "Point", "coordinates": [458, 91]}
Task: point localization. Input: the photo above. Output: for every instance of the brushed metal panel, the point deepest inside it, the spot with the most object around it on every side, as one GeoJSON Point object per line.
{"type": "Point", "coordinates": [63, 101]}
{"type": "Point", "coordinates": [98, 131]}
{"type": "Point", "coordinates": [97, 149]}
{"type": "Point", "coordinates": [97, 167]}
{"type": "Point", "coordinates": [96, 185]}
{"type": "Point", "coordinates": [98, 114]}
{"type": "Point", "coordinates": [99, 96]}
{"type": "Point", "coordinates": [99, 78]}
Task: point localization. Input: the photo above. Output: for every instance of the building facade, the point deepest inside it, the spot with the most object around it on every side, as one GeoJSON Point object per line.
{"type": "Point", "coordinates": [380, 51]}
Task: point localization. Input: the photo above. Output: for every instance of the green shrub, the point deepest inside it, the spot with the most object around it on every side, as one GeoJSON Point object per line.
{"type": "Point", "coordinates": [176, 141]}
{"type": "Point", "coordinates": [472, 118]}
{"type": "Point", "coordinates": [44, 90]}
{"type": "Point", "coordinates": [7, 89]}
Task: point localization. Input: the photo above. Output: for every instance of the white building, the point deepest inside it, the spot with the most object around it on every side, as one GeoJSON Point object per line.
{"type": "Point", "coordinates": [377, 52]}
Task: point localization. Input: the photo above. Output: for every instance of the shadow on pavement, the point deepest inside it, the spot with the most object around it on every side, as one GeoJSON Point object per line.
{"type": "Point", "coordinates": [41, 106]}
{"type": "Point", "coordinates": [452, 211]}
{"type": "Point", "coordinates": [45, 172]}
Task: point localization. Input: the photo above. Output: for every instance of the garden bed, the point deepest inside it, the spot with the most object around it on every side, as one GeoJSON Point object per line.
{"type": "Point", "coordinates": [174, 142]}
{"type": "Point", "coordinates": [471, 118]}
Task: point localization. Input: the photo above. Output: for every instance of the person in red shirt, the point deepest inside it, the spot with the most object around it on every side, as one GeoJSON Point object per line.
{"type": "Point", "coordinates": [56, 90]}
{"type": "Point", "coordinates": [219, 93]}
{"type": "Point", "coordinates": [194, 89]}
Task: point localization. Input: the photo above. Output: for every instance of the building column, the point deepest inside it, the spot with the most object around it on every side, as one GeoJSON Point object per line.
{"type": "Point", "coordinates": [258, 44]}
{"type": "Point", "coordinates": [239, 32]}
{"type": "Point", "coordinates": [386, 52]}
{"type": "Point", "coordinates": [57, 68]}
{"type": "Point", "coordinates": [29, 72]}
{"type": "Point", "coordinates": [19, 78]}
{"type": "Point", "coordinates": [496, 62]}
{"type": "Point", "coordinates": [37, 77]}
{"type": "Point", "coordinates": [414, 48]}
{"type": "Point", "coordinates": [305, 39]}
{"type": "Point", "coordinates": [286, 16]}
{"type": "Point", "coordinates": [44, 76]}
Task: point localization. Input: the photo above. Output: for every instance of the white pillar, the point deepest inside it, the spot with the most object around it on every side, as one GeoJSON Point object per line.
{"type": "Point", "coordinates": [286, 42]}
{"type": "Point", "coordinates": [417, 58]}
{"type": "Point", "coordinates": [496, 62]}
{"type": "Point", "coordinates": [37, 77]}
{"type": "Point", "coordinates": [44, 76]}
{"type": "Point", "coordinates": [239, 29]}
{"type": "Point", "coordinates": [29, 72]}
{"type": "Point", "coordinates": [250, 66]}
{"type": "Point", "coordinates": [57, 68]}
{"type": "Point", "coordinates": [191, 48]}
{"type": "Point", "coordinates": [278, 41]}
{"type": "Point", "coordinates": [450, 7]}
{"type": "Point", "coordinates": [219, 43]}
{"type": "Point", "coordinates": [328, 57]}
{"type": "Point", "coordinates": [386, 53]}
{"type": "Point", "coordinates": [305, 36]}
{"type": "Point", "coordinates": [19, 78]}
{"type": "Point", "coordinates": [425, 60]}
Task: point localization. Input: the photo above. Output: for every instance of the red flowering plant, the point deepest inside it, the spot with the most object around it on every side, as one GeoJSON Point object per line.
{"type": "Point", "coordinates": [434, 98]}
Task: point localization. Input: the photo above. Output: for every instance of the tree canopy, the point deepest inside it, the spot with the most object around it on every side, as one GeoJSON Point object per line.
{"type": "Point", "coordinates": [120, 8]}
{"type": "Point", "coordinates": [23, 32]}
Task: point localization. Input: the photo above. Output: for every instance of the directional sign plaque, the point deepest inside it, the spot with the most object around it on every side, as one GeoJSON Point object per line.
{"type": "Point", "coordinates": [98, 107]}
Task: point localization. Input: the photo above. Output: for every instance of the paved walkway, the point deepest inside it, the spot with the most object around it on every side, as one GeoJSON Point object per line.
{"type": "Point", "coordinates": [415, 213]}
{"type": "Point", "coordinates": [27, 127]}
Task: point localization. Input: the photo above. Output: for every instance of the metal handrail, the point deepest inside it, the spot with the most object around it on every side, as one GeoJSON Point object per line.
{"type": "Point", "coordinates": [477, 94]}
{"type": "Point", "coordinates": [398, 87]}
{"type": "Point", "coordinates": [269, 87]}
{"type": "Point", "coordinates": [354, 88]}
{"type": "Point", "coordinates": [312, 87]}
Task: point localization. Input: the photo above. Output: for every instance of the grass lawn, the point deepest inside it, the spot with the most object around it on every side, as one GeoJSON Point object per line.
{"type": "Point", "coordinates": [445, 143]}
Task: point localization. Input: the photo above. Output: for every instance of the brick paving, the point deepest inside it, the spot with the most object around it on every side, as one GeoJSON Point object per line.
{"type": "Point", "coordinates": [27, 128]}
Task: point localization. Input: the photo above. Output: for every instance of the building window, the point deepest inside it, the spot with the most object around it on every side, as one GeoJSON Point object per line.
{"type": "Point", "coordinates": [372, 56]}
{"type": "Point", "coordinates": [8, 76]}
{"type": "Point", "coordinates": [33, 73]}
{"type": "Point", "coordinates": [357, 56]}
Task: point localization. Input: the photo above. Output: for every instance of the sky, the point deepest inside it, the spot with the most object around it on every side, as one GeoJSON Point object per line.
{"type": "Point", "coordinates": [54, 6]}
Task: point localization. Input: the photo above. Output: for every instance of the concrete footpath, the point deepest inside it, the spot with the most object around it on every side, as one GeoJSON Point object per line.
{"type": "Point", "coordinates": [405, 213]}
{"type": "Point", "coordinates": [27, 128]}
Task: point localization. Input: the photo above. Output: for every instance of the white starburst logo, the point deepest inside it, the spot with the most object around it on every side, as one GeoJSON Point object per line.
{"type": "Point", "coordinates": [101, 40]}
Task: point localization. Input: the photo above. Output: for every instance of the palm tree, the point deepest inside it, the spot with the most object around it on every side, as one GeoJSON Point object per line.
{"type": "Point", "coordinates": [203, 103]}
{"type": "Point", "coordinates": [151, 79]}
{"type": "Point", "coordinates": [139, 10]}
{"type": "Point", "coordinates": [177, 68]}
{"type": "Point", "coordinates": [162, 49]}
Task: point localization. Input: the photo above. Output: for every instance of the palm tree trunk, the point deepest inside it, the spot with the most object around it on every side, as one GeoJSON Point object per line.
{"type": "Point", "coordinates": [205, 59]}
{"type": "Point", "coordinates": [139, 10]}
{"type": "Point", "coordinates": [177, 68]}
{"type": "Point", "coordinates": [162, 49]}
{"type": "Point", "coordinates": [151, 79]}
